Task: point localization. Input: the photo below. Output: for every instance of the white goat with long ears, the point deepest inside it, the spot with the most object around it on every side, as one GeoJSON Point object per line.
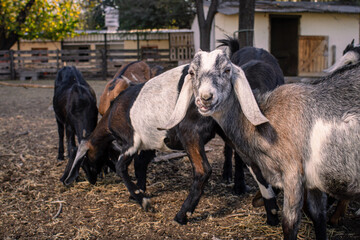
{"type": "Point", "coordinates": [303, 137]}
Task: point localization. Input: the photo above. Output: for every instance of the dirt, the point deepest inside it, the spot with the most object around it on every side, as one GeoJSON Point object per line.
{"type": "Point", "coordinates": [31, 194]}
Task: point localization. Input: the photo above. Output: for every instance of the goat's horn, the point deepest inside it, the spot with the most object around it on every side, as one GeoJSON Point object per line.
{"type": "Point", "coordinates": [349, 57]}
{"type": "Point", "coordinates": [246, 98]}
{"type": "Point", "coordinates": [128, 81]}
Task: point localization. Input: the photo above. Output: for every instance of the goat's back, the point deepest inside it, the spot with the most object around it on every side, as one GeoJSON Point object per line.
{"type": "Point", "coordinates": [321, 124]}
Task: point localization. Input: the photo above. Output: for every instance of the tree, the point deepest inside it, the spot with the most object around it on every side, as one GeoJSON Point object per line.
{"type": "Point", "coordinates": [93, 17]}
{"type": "Point", "coordinates": [205, 24]}
{"type": "Point", "coordinates": [144, 14]}
{"type": "Point", "coordinates": [246, 22]}
{"type": "Point", "coordinates": [32, 19]}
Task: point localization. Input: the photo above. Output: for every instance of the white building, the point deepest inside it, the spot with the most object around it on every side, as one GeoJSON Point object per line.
{"type": "Point", "coordinates": [305, 37]}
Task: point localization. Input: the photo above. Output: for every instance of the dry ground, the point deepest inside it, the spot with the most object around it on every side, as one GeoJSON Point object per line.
{"type": "Point", "coordinates": [31, 193]}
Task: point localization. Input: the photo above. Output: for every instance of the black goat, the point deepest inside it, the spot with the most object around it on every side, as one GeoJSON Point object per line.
{"type": "Point", "coordinates": [75, 109]}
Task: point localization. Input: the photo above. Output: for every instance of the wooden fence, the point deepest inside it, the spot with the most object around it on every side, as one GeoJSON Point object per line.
{"type": "Point", "coordinates": [92, 63]}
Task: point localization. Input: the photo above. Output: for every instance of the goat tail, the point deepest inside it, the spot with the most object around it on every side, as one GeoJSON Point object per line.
{"type": "Point", "coordinates": [231, 43]}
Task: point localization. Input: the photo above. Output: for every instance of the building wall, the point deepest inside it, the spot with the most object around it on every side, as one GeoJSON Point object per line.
{"type": "Point", "coordinates": [27, 45]}
{"type": "Point", "coordinates": [340, 28]}
{"type": "Point", "coordinates": [161, 44]}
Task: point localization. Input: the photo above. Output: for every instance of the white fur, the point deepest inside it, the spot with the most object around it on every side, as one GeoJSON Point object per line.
{"type": "Point", "coordinates": [153, 108]}
{"type": "Point", "coordinates": [267, 193]}
{"type": "Point", "coordinates": [318, 138]}
{"type": "Point", "coordinates": [349, 57]}
{"type": "Point", "coordinates": [209, 64]}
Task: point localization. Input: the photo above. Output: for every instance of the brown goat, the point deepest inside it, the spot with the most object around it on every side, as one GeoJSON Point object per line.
{"type": "Point", "coordinates": [134, 72]}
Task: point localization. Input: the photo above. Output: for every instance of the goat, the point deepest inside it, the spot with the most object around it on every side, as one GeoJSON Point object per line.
{"type": "Point", "coordinates": [240, 57]}
{"type": "Point", "coordinates": [132, 121]}
{"type": "Point", "coordinates": [134, 72]}
{"type": "Point", "coordinates": [75, 109]}
{"type": "Point", "coordinates": [351, 55]}
{"type": "Point", "coordinates": [303, 137]}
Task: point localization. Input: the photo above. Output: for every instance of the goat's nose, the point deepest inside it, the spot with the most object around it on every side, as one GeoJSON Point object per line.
{"type": "Point", "coordinates": [206, 97]}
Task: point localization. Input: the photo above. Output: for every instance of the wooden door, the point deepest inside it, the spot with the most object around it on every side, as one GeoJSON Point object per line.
{"type": "Point", "coordinates": [284, 42]}
{"type": "Point", "coordinates": [313, 55]}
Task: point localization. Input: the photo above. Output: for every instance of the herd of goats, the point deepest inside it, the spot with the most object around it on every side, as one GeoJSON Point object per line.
{"type": "Point", "coordinates": [302, 138]}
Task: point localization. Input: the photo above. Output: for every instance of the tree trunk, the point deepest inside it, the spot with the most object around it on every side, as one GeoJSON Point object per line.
{"type": "Point", "coordinates": [205, 24]}
{"type": "Point", "coordinates": [246, 22]}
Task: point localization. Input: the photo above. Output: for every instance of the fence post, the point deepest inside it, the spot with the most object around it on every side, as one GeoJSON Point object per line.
{"type": "Point", "coordinates": [104, 57]}
{"type": "Point", "coordinates": [104, 63]}
{"type": "Point", "coordinates": [138, 45]}
{"type": "Point", "coordinates": [12, 65]}
{"type": "Point", "coordinates": [57, 60]}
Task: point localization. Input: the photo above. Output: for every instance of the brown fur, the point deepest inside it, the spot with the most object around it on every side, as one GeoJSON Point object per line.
{"type": "Point", "coordinates": [196, 160]}
{"type": "Point", "coordinates": [339, 213]}
{"type": "Point", "coordinates": [137, 73]}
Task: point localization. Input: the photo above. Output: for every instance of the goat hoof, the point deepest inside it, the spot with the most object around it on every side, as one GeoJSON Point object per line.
{"type": "Point", "coordinates": [258, 200]}
{"type": "Point", "coordinates": [335, 222]}
{"type": "Point", "coordinates": [227, 180]}
{"type": "Point", "coordinates": [272, 221]}
{"type": "Point", "coordinates": [146, 204]}
{"type": "Point", "coordinates": [62, 179]}
{"type": "Point", "coordinates": [241, 190]}
{"type": "Point", "coordinates": [181, 220]}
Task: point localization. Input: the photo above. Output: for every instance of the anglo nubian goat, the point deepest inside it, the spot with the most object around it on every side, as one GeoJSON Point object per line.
{"type": "Point", "coordinates": [303, 137]}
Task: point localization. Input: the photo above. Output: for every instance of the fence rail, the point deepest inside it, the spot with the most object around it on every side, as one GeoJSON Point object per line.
{"type": "Point", "coordinates": [95, 63]}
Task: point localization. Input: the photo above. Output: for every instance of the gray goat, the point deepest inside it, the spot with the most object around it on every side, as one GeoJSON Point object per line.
{"type": "Point", "coordinates": [303, 137]}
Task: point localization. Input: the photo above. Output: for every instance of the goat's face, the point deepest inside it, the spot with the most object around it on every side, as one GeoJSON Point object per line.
{"type": "Point", "coordinates": [91, 169]}
{"type": "Point", "coordinates": [210, 74]}
{"type": "Point", "coordinates": [213, 79]}
{"type": "Point", "coordinates": [85, 158]}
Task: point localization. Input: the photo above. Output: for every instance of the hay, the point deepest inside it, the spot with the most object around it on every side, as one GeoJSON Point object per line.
{"type": "Point", "coordinates": [36, 205]}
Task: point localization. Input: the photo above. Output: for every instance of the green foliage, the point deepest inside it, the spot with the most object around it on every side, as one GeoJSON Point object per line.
{"type": "Point", "coordinates": [93, 16]}
{"type": "Point", "coordinates": [46, 19]}
{"type": "Point", "coordinates": [144, 14]}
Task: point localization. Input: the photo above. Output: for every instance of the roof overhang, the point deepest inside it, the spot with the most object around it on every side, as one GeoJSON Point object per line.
{"type": "Point", "coordinates": [231, 8]}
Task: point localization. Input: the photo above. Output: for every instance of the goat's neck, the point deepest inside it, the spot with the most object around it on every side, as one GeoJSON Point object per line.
{"type": "Point", "coordinates": [235, 125]}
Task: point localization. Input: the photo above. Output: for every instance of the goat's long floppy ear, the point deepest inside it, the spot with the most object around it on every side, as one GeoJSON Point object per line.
{"type": "Point", "coordinates": [182, 104]}
{"type": "Point", "coordinates": [349, 57]}
{"type": "Point", "coordinates": [246, 97]}
{"type": "Point", "coordinates": [74, 171]}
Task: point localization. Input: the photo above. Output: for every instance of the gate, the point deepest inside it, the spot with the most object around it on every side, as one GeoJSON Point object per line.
{"type": "Point", "coordinates": [313, 55]}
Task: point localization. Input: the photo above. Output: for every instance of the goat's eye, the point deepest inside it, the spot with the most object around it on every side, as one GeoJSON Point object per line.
{"type": "Point", "coordinates": [227, 70]}
{"type": "Point", "coordinates": [191, 72]}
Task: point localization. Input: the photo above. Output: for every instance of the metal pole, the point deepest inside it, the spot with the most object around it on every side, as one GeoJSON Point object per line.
{"type": "Point", "coordinates": [105, 57]}
{"type": "Point", "coordinates": [138, 45]}
{"type": "Point", "coordinates": [12, 68]}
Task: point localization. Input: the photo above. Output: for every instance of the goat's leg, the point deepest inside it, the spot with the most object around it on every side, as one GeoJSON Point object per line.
{"type": "Point", "coordinates": [136, 193]}
{"type": "Point", "coordinates": [293, 202]}
{"type": "Point", "coordinates": [61, 140]}
{"type": "Point", "coordinates": [201, 173]}
{"type": "Point", "coordinates": [140, 165]}
{"type": "Point", "coordinates": [339, 213]}
{"type": "Point", "coordinates": [239, 179]}
{"type": "Point", "coordinates": [268, 195]}
{"type": "Point", "coordinates": [227, 169]}
{"type": "Point", "coordinates": [316, 206]}
{"type": "Point", "coordinates": [71, 147]}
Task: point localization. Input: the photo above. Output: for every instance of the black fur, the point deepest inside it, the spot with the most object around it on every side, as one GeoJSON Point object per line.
{"type": "Point", "coordinates": [75, 109]}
